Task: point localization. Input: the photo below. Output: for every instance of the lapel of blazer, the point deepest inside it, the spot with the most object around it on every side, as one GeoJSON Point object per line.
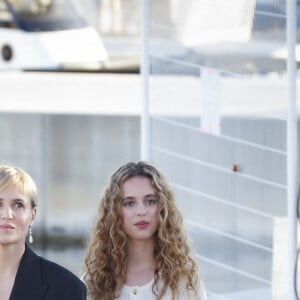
{"type": "Point", "coordinates": [28, 283]}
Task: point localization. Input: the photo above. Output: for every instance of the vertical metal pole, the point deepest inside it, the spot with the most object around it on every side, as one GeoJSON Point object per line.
{"type": "Point", "coordinates": [145, 116]}
{"type": "Point", "coordinates": [43, 207]}
{"type": "Point", "coordinates": [292, 141]}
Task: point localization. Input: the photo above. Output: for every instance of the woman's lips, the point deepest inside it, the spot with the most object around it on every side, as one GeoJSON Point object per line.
{"type": "Point", "coordinates": [6, 226]}
{"type": "Point", "coordinates": [142, 224]}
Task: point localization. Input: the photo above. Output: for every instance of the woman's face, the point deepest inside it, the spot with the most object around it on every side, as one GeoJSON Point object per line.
{"type": "Point", "coordinates": [139, 208]}
{"type": "Point", "coordinates": [16, 215]}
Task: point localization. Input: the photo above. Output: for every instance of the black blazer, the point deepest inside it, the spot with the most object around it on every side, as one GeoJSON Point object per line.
{"type": "Point", "coordinates": [41, 279]}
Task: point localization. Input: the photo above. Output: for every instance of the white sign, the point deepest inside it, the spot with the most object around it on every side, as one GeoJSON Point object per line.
{"type": "Point", "coordinates": [210, 101]}
{"type": "Point", "coordinates": [211, 21]}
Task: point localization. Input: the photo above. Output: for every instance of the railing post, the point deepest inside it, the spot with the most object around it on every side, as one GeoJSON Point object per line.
{"type": "Point", "coordinates": [292, 140]}
{"type": "Point", "coordinates": [145, 114]}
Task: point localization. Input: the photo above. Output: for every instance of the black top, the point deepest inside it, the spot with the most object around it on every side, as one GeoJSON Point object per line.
{"type": "Point", "coordinates": [40, 279]}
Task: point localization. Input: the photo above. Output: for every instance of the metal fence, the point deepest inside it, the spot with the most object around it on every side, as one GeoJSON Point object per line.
{"type": "Point", "coordinates": [217, 97]}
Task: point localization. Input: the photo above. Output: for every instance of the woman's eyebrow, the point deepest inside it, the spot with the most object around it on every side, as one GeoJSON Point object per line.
{"type": "Point", "coordinates": [128, 198]}
{"type": "Point", "coordinates": [16, 199]}
{"type": "Point", "coordinates": [150, 195]}
{"type": "Point", "coordinates": [133, 198]}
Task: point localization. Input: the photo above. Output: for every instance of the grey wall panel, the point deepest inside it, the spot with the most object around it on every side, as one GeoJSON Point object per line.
{"type": "Point", "coordinates": [71, 158]}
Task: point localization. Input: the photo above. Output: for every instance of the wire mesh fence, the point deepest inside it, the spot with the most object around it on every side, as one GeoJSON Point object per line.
{"type": "Point", "coordinates": [218, 103]}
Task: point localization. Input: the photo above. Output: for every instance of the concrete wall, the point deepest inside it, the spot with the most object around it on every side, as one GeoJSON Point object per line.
{"type": "Point", "coordinates": [71, 158]}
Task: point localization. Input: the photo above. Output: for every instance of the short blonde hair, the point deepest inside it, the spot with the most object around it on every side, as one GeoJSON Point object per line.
{"type": "Point", "coordinates": [16, 178]}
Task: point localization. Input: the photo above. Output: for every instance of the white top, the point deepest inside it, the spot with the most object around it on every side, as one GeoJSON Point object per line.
{"type": "Point", "coordinates": [144, 292]}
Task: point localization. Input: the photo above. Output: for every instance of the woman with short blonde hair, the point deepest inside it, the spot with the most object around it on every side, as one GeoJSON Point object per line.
{"type": "Point", "coordinates": [25, 275]}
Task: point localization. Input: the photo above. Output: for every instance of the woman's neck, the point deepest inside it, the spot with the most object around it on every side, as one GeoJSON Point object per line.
{"type": "Point", "coordinates": [10, 257]}
{"type": "Point", "coordinates": [141, 264]}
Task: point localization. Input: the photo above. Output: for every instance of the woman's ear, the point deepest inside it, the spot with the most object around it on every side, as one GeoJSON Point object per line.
{"type": "Point", "coordinates": [33, 213]}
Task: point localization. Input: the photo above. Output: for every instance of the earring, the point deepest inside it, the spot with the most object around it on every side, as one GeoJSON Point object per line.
{"type": "Point", "coordinates": [30, 238]}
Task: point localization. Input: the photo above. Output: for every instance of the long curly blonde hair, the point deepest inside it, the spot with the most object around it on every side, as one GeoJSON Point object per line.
{"type": "Point", "coordinates": [106, 256]}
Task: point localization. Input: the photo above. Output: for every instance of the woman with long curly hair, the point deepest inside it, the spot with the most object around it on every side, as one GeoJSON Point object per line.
{"type": "Point", "coordinates": [138, 249]}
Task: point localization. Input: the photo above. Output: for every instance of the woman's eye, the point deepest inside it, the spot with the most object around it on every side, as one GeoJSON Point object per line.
{"type": "Point", "coordinates": [129, 203]}
{"type": "Point", "coordinates": [150, 202]}
{"type": "Point", "coordinates": [18, 205]}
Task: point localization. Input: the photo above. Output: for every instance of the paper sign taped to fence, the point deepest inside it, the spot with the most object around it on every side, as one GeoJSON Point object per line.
{"type": "Point", "coordinates": [210, 101]}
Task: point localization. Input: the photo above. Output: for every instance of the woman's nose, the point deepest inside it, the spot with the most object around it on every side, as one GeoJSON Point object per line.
{"type": "Point", "coordinates": [141, 212]}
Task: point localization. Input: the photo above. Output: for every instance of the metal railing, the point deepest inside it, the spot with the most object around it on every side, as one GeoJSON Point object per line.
{"type": "Point", "coordinates": [230, 184]}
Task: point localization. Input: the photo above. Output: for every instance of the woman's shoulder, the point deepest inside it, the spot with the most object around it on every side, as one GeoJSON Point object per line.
{"type": "Point", "coordinates": [202, 291]}
{"type": "Point", "coordinates": [54, 271]}
{"type": "Point", "coordinates": [37, 275]}
{"type": "Point", "coordinates": [198, 294]}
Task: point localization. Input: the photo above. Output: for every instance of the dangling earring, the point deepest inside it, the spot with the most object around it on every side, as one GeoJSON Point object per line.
{"type": "Point", "coordinates": [30, 238]}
